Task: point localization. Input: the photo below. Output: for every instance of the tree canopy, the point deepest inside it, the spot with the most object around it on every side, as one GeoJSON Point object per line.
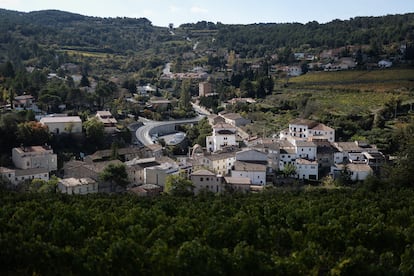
{"type": "Point", "coordinates": [277, 233]}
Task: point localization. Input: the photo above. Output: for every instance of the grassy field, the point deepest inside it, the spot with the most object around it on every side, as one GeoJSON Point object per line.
{"type": "Point", "coordinates": [353, 76]}
{"type": "Point", "coordinates": [339, 93]}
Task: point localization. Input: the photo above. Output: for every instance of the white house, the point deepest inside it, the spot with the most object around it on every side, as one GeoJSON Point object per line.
{"type": "Point", "coordinates": [223, 135]}
{"type": "Point", "coordinates": [384, 64]}
{"type": "Point", "coordinates": [144, 90]}
{"type": "Point", "coordinates": [158, 174]}
{"type": "Point", "coordinates": [108, 120]}
{"type": "Point", "coordinates": [287, 154]}
{"type": "Point", "coordinates": [272, 149]}
{"type": "Point", "coordinates": [322, 132]}
{"type": "Point", "coordinates": [207, 181]}
{"type": "Point", "coordinates": [305, 149]}
{"type": "Point", "coordinates": [204, 89]}
{"type": "Point", "coordinates": [220, 163]}
{"type": "Point", "coordinates": [357, 172]}
{"type": "Point", "coordinates": [34, 157]}
{"type": "Point", "coordinates": [62, 124]}
{"type": "Point", "coordinates": [306, 169]}
{"type": "Point", "coordinates": [255, 172]}
{"type": "Point", "coordinates": [8, 174]}
{"type": "Point", "coordinates": [252, 156]}
{"type": "Point", "coordinates": [79, 186]}
{"type": "Point", "coordinates": [307, 130]}
{"type": "Point", "coordinates": [136, 169]}
{"type": "Point", "coordinates": [234, 119]}
{"type": "Point", "coordinates": [25, 102]}
{"type": "Point", "coordinates": [16, 176]}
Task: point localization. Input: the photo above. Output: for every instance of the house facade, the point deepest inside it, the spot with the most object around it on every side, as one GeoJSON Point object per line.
{"type": "Point", "coordinates": [220, 163]}
{"type": "Point", "coordinates": [108, 120]}
{"type": "Point", "coordinates": [255, 172]}
{"type": "Point", "coordinates": [223, 135]}
{"type": "Point", "coordinates": [306, 169]}
{"type": "Point", "coordinates": [34, 157]}
{"type": "Point", "coordinates": [63, 124]}
{"type": "Point", "coordinates": [205, 180]}
{"type": "Point", "coordinates": [235, 119]}
{"type": "Point", "coordinates": [80, 186]}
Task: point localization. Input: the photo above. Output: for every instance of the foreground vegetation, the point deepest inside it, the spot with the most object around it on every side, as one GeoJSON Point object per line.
{"type": "Point", "coordinates": [337, 232]}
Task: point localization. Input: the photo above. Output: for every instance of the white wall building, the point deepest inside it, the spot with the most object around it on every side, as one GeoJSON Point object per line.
{"type": "Point", "coordinates": [306, 169]}
{"type": "Point", "coordinates": [307, 130]}
{"type": "Point", "coordinates": [108, 120]}
{"type": "Point", "coordinates": [63, 124]}
{"type": "Point", "coordinates": [79, 186]}
{"type": "Point", "coordinates": [223, 135]}
{"type": "Point", "coordinates": [356, 172]}
{"type": "Point", "coordinates": [207, 181]}
{"type": "Point", "coordinates": [220, 163]}
{"type": "Point", "coordinates": [158, 174]}
{"type": "Point", "coordinates": [305, 149]}
{"type": "Point", "coordinates": [16, 176]}
{"type": "Point", "coordinates": [255, 172]}
{"type": "Point", "coordinates": [35, 157]}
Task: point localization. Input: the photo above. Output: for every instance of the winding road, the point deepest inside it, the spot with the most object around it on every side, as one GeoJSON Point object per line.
{"type": "Point", "coordinates": [143, 133]}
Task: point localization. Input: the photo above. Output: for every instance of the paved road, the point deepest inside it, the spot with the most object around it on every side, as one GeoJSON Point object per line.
{"type": "Point", "coordinates": [143, 133]}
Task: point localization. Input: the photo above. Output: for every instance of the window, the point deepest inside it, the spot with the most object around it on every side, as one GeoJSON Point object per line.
{"type": "Point", "coordinates": [302, 149]}
{"type": "Point", "coordinates": [207, 179]}
{"type": "Point", "coordinates": [201, 179]}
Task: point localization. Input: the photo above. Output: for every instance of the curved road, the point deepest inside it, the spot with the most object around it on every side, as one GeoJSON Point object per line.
{"type": "Point", "coordinates": [143, 133]}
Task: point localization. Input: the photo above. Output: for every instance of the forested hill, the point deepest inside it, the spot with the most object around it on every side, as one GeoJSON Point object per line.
{"type": "Point", "coordinates": [25, 36]}
{"type": "Point", "coordinates": [356, 31]}
{"type": "Point", "coordinates": [63, 29]}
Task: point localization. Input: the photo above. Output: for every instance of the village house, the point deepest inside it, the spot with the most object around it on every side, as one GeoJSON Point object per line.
{"type": "Point", "coordinates": [205, 89]}
{"type": "Point", "coordinates": [237, 184]}
{"type": "Point", "coordinates": [146, 190]}
{"type": "Point", "coordinates": [307, 129]}
{"type": "Point", "coordinates": [80, 169]}
{"type": "Point", "coordinates": [146, 89]}
{"type": "Point", "coordinates": [16, 176]}
{"type": "Point", "coordinates": [205, 180]}
{"type": "Point", "coordinates": [356, 172]}
{"type": "Point", "coordinates": [34, 157]}
{"type": "Point", "coordinates": [306, 169]}
{"type": "Point", "coordinates": [108, 120]}
{"type": "Point", "coordinates": [81, 186]}
{"type": "Point", "coordinates": [255, 172]}
{"type": "Point", "coordinates": [223, 135]}
{"type": "Point", "coordinates": [240, 100]}
{"type": "Point", "coordinates": [214, 119]}
{"type": "Point", "coordinates": [219, 163]}
{"type": "Point", "coordinates": [58, 124]}
{"type": "Point", "coordinates": [123, 154]}
{"type": "Point", "coordinates": [136, 169]}
{"type": "Point", "coordinates": [25, 102]}
{"type": "Point", "coordinates": [234, 119]}
{"type": "Point", "coordinates": [158, 174]}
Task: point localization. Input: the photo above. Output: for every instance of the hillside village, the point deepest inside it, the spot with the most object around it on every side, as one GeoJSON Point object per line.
{"type": "Point", "coordinates": [206, 148]}
{"type": "Point", "coordinates": [82, 115]}
{"type": "Point", "coordinates": [305, 152]}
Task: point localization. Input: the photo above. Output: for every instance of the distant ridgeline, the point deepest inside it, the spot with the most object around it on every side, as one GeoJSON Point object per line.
{"type": "Point", "coordinates": [53, 30]}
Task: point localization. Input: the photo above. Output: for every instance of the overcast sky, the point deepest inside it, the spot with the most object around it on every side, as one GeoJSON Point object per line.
{"type": "Point", "coordinates": [162, 12]}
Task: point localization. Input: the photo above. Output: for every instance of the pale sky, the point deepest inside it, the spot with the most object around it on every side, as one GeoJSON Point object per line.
{"type": "Point", "coordinates": [163, 12]}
